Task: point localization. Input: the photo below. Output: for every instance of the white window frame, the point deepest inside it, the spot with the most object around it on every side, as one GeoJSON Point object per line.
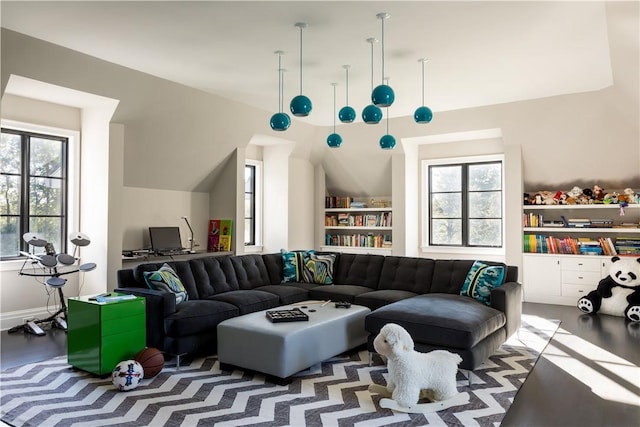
{"type": "Point", "coordinates": [257, 247]}
{"type": "Point", "coordinates": [73, 171]}
{"type": "Point", "coordinates": [424, 214]}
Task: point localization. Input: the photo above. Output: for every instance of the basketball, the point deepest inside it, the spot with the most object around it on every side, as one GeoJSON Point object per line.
{"type": "Point", "coordinates": [151, 360]}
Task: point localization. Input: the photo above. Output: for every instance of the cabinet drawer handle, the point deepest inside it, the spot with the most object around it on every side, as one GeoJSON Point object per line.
{"type": "Point", "coordinates": [580, 277]}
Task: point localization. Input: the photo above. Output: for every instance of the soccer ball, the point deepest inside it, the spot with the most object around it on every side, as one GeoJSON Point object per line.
{"type": "Point", "coordinates": [127, 375]}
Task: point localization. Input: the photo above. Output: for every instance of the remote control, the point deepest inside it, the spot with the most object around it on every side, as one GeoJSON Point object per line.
{"type": "Point", "coordinates": [343, 304]}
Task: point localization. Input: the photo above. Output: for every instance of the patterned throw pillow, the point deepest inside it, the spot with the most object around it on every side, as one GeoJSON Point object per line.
{"type": "Point", "coordinates": [481, 279]}
{"type": "Point", "coordinates": [293, 264]}
{"type": "Point", "coordinates": [319, 269]}
{"type": "Point", "coordinates": [166, 280]}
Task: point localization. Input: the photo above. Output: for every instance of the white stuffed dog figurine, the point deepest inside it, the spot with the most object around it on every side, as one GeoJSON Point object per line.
{"type": "Point", "coordinates": [411, 372]}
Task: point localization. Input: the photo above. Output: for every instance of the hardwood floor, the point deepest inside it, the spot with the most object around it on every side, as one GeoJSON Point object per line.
{"type": "Point", "coordinates": [588, 375]}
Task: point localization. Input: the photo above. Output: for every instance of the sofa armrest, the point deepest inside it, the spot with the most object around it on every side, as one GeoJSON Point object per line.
{"type": "Point", "coordinates": [159, 305]}
{"type": "Point", "coordinates": [508, 299]}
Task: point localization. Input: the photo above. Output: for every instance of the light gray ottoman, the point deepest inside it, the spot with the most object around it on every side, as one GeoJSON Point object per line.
{"type": "Point", "coordinates": [252, 341]}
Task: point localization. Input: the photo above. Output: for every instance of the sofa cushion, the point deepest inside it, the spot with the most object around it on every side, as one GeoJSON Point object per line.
{"type": "Point", "coordinates": [380, 298]}
{"type": "Point", "coordinates": [197, 317]}
{"type": "Point", "coordinates": [249, 301]}
{"type": "Point", "coordinates": [289, 293]}
{"type": "Point", "coordinates": [337, 292]}
{"type": "Point", "coordinates": [250, 271]}
{"type": "Point", "coordinates": [166, 280]}
{"type": "Point", "coordinates": [407, 274]}
{"type": "Point", "coordinates": [359, 269]}
{"type": "Point", "coordinates": [481, 279]}
{"type": "Point", "coordinates": [213, 275]}
{"type": "Point", "coordinates": [273, 263]}
{"type": "Point", "coordinates": [440, 319]}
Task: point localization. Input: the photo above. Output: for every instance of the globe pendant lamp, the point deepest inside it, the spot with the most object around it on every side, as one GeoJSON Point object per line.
{"type": "Point", "coordinates": [280, 121]}
{"type": "Point", "coordinates": [372, 114]}
{"type": "Point", "coordinates": [334, 140]}
{"type": "Point", "coordinates": [347, 114]}
{"type": "Point", "coordinates": [387, 142]}
{"type": "Point", "coordinates": [300, 105]}
{"type": "Point", "coordinates": [423, 114]}
{"type": "Point", "coordinates": [383, 95]}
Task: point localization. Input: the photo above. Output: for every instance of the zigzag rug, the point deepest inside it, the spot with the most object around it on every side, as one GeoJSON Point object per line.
{"type": "Point", "coordinates": [330, 394]}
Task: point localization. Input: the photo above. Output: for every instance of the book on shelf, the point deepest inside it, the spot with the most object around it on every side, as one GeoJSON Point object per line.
{"type": "Point", "coordinates": [628, 245]}
{"type": "Point", "coordinates": [219, 238]}
{"type": "Point", "coordinates": [331, 202]}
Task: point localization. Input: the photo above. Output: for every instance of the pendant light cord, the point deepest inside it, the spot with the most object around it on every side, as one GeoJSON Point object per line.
{"type": "Point", "coordinates": [280, 83]}
{"type": "Point", "coordinates": [300, 59]}
{"type": "Point", "coordinates": [347, 89]}
{"type": "Point", "coordinates": [423, 61]}
{"type": "Point", "coordinates": [382, 45]}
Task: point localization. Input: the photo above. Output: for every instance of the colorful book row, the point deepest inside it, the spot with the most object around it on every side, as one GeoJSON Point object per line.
{"type": "Point", "coordinates": [359, 240]}
{"type": "Point", "coordinates": [337, 202]}
{"type": "Point", "coordinates": [358, 220]}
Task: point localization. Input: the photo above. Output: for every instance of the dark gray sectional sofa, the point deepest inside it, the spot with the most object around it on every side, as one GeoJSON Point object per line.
{"type": "Point", "coordinates": [423, 295]}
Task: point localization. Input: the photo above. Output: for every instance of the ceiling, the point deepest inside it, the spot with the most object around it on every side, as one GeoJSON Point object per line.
{"type": "Point", "coordinates": [480, 53]}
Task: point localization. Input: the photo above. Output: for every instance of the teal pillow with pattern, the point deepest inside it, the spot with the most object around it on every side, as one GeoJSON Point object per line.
{"type": "Point", "coordinates": [319, 269]}
{"type": "Point", "coordinates": [166, 280]}
{"type": "Point", "coordinates": [481, 280]}
{"type": "Point", "coordinates": [293, 264]}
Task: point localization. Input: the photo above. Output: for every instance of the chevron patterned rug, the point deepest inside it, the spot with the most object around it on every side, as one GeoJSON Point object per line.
{"type": "Point", "coordinates": [330, 394]}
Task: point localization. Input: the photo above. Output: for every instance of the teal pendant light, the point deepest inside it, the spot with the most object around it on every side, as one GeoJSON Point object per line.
{"type": "Point", "coordinates": [387, 142]}
{"type": "Point", "coordinates": [334, 140]}
{"type": "Point", "coordinates": [280, 121]}
{"type": "Point", "coordinates": [383, 95]}
{"type": "Point", "coordinates": [301, 105]}
{"type": "Point", "coordinates": [423, 114]}
{"type": "Point", "coordinates": [347, 114]}
{"type": "Point", "coordinates": [372, 114]}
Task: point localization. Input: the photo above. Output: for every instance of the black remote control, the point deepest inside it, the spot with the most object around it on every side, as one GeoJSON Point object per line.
{"type": "Point", "coordinates": [343, 304]}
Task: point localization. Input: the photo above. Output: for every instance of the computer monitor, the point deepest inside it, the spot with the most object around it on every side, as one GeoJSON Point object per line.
{"type": "Point", "coordinates": [165, 239]}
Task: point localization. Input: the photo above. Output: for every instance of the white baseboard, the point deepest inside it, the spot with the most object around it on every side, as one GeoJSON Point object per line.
{"type": "Point", "coordinates": [15, 318]}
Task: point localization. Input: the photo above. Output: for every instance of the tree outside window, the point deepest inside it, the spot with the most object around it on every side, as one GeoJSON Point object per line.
{"type": "Point", "coordinates": [33, 185]}
{"type": "Point", "coordinates": [465, 204]}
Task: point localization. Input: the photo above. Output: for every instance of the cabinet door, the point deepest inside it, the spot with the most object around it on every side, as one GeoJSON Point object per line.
{"type": "Point", "coordinates": [542, 276]}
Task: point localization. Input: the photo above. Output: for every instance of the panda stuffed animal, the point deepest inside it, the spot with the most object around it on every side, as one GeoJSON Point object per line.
{"type": "Point", "coordinates": [618, 294]}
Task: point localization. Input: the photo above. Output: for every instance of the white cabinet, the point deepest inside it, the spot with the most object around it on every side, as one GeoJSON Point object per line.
{"type": "Point", "coordinates": [561, 279]}
{"type": "Point", "coordinates": [365, 226]}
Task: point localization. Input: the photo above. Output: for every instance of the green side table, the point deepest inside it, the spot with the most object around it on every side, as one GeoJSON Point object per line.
{"type": "Point", "coordinates": [102, 334]}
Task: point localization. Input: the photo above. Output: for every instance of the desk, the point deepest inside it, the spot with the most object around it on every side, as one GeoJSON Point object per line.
{"type": "Point", "coordinates": [130, 262]}
{"type": "Point", "coordinates": [100, 335]}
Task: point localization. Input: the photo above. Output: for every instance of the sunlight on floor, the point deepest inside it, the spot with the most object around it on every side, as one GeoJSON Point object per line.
{"type": "Point", "coordinates": [609, 376]}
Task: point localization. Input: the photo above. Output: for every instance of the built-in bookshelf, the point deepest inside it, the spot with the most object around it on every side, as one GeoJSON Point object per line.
{"type": "Point", "coordinates": [598, 229]}
{"type": "Point", "coordinates": [361, 225]}
{"type": "Point", "coordinates": [567, 248]}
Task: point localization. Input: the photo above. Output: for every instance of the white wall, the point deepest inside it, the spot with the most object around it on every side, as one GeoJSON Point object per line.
{"type": "Point", "coordinates": [143, 208]}
{"type": "Point", "coordinates": [301, 203]}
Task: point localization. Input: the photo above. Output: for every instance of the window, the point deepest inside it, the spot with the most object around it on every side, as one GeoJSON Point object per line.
{"type": "Point", "coordinates": [33, 184]}
{"type": "Point", "coordinates": [464, 205]}
{"type": "Point", "coordinates": [252, 203]}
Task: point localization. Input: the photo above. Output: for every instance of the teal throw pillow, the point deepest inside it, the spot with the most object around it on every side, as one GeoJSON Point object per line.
{"type": "Point", "coordinates": [293, 264]}
{"type": "Point", "coordinates": [319, 269]}
{"type": "Point", "coordinates": [166, 280]}
{"type": "Point", "coordinates": [481, 279]}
